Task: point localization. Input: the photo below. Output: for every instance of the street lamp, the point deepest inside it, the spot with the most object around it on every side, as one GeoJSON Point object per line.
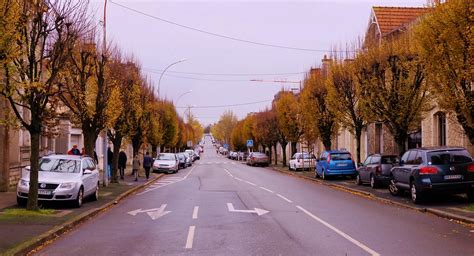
{"type": "Point", "coordinates": [162, 73]}
{"type": "Point", "coordinates": [190, 91]}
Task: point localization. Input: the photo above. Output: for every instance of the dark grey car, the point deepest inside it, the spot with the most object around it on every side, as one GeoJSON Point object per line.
{"type": "Point", "coordinates": [376, 170]}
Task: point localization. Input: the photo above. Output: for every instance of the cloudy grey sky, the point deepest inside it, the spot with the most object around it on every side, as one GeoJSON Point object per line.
{"type": "Point", "coordinates": [317, 25]}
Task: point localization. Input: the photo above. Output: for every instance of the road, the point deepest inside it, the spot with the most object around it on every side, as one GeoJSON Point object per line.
{"type": "Point", "coordinates": [223, 207]}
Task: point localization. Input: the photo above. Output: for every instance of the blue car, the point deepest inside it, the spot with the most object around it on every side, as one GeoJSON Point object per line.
{"type": "Point", "coordinates": [335, 163]}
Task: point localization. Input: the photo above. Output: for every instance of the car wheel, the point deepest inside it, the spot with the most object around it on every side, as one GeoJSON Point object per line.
{"type": "Point", "coordinates": [95, 196]}
{"type": "Point", "coordinates": [416, 196]}
{"type": "Point", "coordinates": [21, 201]}
{"type": "Point", "coordinates": [393, 189]}
{"type": "Point", "coordinates": [358, 180]}
{"type": "Point", "coordinates": [79, 198]}
{"type": "Point", "coordinates": [373, 182]}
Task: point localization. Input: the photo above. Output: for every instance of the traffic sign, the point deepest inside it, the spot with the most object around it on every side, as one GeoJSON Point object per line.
{"type": "Point", "coordinates": [226, 146]}
{"type": "Point", "coordinates": [250, 143]}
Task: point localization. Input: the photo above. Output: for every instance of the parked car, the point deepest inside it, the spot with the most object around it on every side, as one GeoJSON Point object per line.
{"type": "Point", "coordinates": [197, 155]}
{"type": "Point", "coordinates": [335, 163]}
{"type": "Point", "coordinates": [256, 158]}
{"type": "Point", "coordinates": [62, 178]}
{"type": "Point", "coordinates": [182, 160]}
{"type": "Point", "coordinates": [166, 162]}
{"type": "Point", "coordinates": [300, 161]}
{"type": "Point", "coordinates": [436, 169]}
{"type": "Point", "coordinates": [191, 154]}
{"type": "Point", "coordinates": [230, 155]}
{"type": "Point", "coordinates": [376, 170]}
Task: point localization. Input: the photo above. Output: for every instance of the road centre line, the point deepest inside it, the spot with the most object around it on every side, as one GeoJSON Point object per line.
{"type": "Point", "coordinates": [189, 240]}
{"type": "Point", "coordinates": [239, 179]}
{"type": "Point", "coordinates": [248, 182]}
{"type": "Point", "coordinates": [284, 198]}
{"type": "Point", "coordinates": [346, 236]}
{"type": "Point", "coordinates": [267, 190]}
{"type": "Point", "coordinates": [166, 184]}
{"type": "Point", "coordinates": [195, 212]}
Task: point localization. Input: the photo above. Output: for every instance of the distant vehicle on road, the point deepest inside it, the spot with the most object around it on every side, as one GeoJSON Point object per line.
{"type": "Point", "coordinates": [300, 161]}
{"type": "Point", "coordinates": [433, 170]}
{"type": "Point", "coordinates": [166, 162]}
{"type": "Point", "coordinates": [256, 158]}
{"type": "Point", "coordinates": [335, 163]}
{"type": "Point", "coordinates": [62, 178]}
{"type": "Point", "coordinates": [376, 170]}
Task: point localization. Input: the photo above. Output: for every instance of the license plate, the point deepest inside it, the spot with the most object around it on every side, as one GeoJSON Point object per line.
{"type": "Point", "coordinates": [44, 192]}
{"type": "Point", "coordinates": [453, 177]}
{"type": "Point", "coordinates": [341, 164]}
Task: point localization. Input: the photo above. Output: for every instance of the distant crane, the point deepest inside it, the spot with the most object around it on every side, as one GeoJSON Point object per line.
{"type": "Point", "coordinates": [279, 81]}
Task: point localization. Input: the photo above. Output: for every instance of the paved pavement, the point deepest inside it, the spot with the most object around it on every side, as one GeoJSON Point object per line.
{"type": "Point", "coordinates": [219, 207]}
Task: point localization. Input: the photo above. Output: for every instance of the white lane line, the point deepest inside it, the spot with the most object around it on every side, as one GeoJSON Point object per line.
{"type": "Point", "coordinates": [267, 190]}
{"type": "Point", "coordinates": [189, 241]}
{"type": "Point", "coordinates": [253, 184]}
{"type": "Point", "coordinates": [238, 179]}
{"type": "Point", "coordinates": [166, 184]}
{"type": "Point", "coordinates": [284, 198]}
{"type": "Point", "coordinates": [230, 174]}
{"type": "Point", "coordinates": [346, 236]}
{"type": "Point", "coordinates": [195, 212]}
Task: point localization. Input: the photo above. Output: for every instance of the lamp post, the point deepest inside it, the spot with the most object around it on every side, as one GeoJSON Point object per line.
{"type": "Point", "coordinates": [105, 141]}
{"type": "Point", "coordinates": [162, 73]}
{"type": "Point", "coordinates": [190, 91]}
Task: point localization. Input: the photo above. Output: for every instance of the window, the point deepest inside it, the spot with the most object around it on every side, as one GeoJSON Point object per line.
{"type": "Point", "coordinates": [441, 118]}
{"type": "Point", "coordinates": [375, 160]}
{"type": "Point", "coordinates": [367, 161]}
{"type": "Point", "coordinates": [378, 138]}
{"type": "Point", "coordinates": [449, 157]}
{"type": "Point", "coordinates": [415, 139]}
{"type": "Point", "coordinates": [405, 157]}
{"type": "Point", "coordinates": [340, 156]}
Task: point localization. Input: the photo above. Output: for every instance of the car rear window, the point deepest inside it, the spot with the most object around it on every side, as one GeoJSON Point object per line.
{"type": "Point", "coordinates": [389, 160]}
{"type": "Point", "coordinates": [166, 157]}
{"type": "Point", "coordinates": [341, 156]}
{"type": "Point", "coordinates": [449, 157]}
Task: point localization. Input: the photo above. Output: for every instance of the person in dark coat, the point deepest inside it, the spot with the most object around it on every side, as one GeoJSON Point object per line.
{"type": "Point", "coordinates": [147, 162]}
{"type": "Point", "coordinates": [122, 163]}
{"type": "Point", "coordinates": [110, 157]}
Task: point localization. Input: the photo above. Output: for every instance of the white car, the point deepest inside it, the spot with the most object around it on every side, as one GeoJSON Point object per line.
{"type": "Point", "coordinates": [301, 161]}
{"type": "Point", "coordinates": [166, 162]}
{"type": "Point", "coordinates": [62, 178]}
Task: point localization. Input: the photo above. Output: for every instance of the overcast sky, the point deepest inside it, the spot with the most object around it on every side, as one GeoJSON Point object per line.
{"type": "Point", "coordinates": [315, 25]}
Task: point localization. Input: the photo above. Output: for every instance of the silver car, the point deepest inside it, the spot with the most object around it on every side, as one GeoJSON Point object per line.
{"type": "Point", "coordinates": [62, 178]}
{"type": "Point", "coordinates": [166, 162]}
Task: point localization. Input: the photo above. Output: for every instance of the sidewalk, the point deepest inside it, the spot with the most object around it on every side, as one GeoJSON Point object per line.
{"type": "Point", "coordinates": [452, 207]}
{"type": "Point", "coordinates": [25, 231]}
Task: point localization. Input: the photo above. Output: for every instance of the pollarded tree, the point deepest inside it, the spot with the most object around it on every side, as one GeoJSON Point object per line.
{"type": "Point", "coordinates": [393, 88]}
{"type": "Point", "coordinates": [287, 110]}
{"type": "Point", "coordinates": [265, 130]}
{"type": "Point", "coordinates": [344, 100]}
{"type": "Point", "coordinates": [445, 40]}
{"type": "Point", "coordinates": [31, 70]}
{"type": "Point", "coordinates": [315, 102]}
{"type": "Point", "coordinates": [223, 129]}
{"type": "Point", "coordinates": [169, 124]}
{"type": "Point", "coordinates": [237, 140]}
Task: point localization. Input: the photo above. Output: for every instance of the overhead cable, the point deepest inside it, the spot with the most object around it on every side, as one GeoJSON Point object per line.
{"type": "Point", "coordinates": [225, 74]}
{"type": "Point", "coordinates": [230, 105]}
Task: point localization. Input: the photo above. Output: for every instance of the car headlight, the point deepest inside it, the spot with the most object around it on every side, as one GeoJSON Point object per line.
{"type": "Point", "coordinates": [24, 183]}
{"type": "Point", "coordinates": [68, 185]}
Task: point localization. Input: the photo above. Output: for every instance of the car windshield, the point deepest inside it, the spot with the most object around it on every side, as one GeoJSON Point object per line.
{"type": "Point", "coordinates": [60, 165]}
{"type": "Point", "coordinates": [341, 156]}
{"type": "Point", "coordinates": [389, 160]}
{"type": "Point", "coordinates": [449, 157]}
{"type": "Point", "coordinates": [166, 157]}
{"type": "Point", "coordinates": [306, 156]}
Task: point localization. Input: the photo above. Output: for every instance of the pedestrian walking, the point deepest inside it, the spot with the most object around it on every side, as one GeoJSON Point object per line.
{"type": "Point", "coordinates": [110, 158]}
{"type": "Point", "coordinates": [136, 166]}
{"type": "Point", "coordinates": [74, 151]}
{"type": "Point", "coordinates": [147, 162]}
{"type": "Point", "coordinates": [122, 163]}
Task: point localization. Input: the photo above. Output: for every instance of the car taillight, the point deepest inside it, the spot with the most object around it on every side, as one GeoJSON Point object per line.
{"type": "Point", "coordinates": [470, 168]}
{"type": "Point", "coordinates": [428, 170]}
{"type": "Point", "coordinates": [378, 170]}
{"type": "Point", "coordinates": [329, 159]}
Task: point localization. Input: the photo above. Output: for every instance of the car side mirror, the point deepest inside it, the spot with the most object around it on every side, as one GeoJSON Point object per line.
{"type": "Point", "coordinates": [86, 172]}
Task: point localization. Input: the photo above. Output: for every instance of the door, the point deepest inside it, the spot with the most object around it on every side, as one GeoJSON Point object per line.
{"type": "Point", "coordinates": [363, 170]}
{"type": "Point", "coordinates": [86, 178]}
{"type": "Point", "coordinates": [407, 168]}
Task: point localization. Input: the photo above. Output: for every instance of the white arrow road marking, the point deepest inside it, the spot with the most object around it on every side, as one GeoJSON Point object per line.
{"type": "Point", "coordinates": [258, 211]}
{"type": "Point", "coordinates": [135, 212]}
{"type": "Point", "coordinates": [346, 236]}
{"type": "Point", "coordinates": [159, 213]}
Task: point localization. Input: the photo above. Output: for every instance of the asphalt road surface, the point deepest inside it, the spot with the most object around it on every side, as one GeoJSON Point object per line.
{"type": "Point", "coordinates": [223, 207]}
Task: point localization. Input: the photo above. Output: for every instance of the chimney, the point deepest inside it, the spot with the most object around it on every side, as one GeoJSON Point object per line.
{"type": "Point", "coordinates": [326, 65]}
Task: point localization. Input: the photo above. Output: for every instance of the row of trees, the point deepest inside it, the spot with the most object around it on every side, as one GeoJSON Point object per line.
{"type": "Point", "coordinates": [52, 67]}
{"type": "Point", "coordinates": [394, 82]}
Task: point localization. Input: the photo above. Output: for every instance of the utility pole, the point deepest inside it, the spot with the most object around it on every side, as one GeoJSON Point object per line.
{"type": "Point", "coordinates": [105, 142]}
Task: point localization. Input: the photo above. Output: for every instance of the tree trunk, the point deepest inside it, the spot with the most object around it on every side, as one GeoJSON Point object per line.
{"type": "Point", "coordinates": [401, 140]}
{"type": "Point", "coordinates": [327, 143]}
{"type": "Point", "coordinates": [136, 141]}
{"type": "Point", "coordinates": [34, 167]}
{"type": "Point", "coordinates": [270, 154]}
{"type": "Point", "coordinates": [283, 146]}
{"type": "Point", "coordinates": [153, 150]}
{"type": "Point", "coordinates": [90, 137]}
{"type": "Point", "coordinates": [117, 142]}
{"type": "Point", "coordinates": [358, 135]}
{"type": "Point", "coordinates": [5, 172]}
{"type": "Point", "coordinates": [276, 155]}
